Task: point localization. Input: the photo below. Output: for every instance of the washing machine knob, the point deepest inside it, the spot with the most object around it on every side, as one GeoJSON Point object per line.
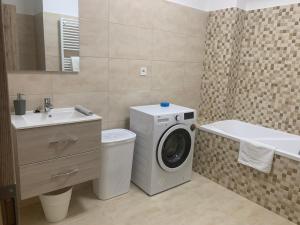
{"type": "Point", "coordinates": [177, 118]}
{"type": "Point", "coordinates": [193, 127]}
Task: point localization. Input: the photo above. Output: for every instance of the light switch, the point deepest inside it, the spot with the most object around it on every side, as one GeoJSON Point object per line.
{"type": "Point", "coordinates": [143, 71]}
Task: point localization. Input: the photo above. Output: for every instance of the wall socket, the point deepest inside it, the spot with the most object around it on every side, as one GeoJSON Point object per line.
{"type": "Point", "coordinates": [143, 71]}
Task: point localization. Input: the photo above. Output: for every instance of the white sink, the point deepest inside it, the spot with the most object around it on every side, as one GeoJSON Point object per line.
{"type": "Point", "coordinates": [54, 117]}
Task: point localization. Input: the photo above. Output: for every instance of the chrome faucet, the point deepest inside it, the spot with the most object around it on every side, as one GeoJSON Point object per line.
{"type": "Point", "coordinates": [47, 105]}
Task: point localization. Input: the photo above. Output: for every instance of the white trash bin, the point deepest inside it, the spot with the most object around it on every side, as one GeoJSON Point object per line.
{"type": "Point", "coordinates": [56, 204]}
{"type": "Point", "coordinates": [116, 163]}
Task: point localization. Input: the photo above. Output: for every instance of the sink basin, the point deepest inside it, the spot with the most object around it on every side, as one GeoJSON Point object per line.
{"type": "Point", "coordinates": [54, 117]}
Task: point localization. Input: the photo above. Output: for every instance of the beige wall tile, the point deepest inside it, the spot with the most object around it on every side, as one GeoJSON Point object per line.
{"type": "Point", "coordinates": [94, 38]}
{"type": "Point", "coordinates": [193, 75]}
{"type": "Point", "coordinates": [118, 124]}
{"type": "Point", "coordinates": [191, 82]}
{"type": "Point", "coordinates": [180, 97]}
{"type": "Point", "coordinates": [94, 10]}
{"type": "Point", "coordinates": [32, 101]}
{"type": "Point", "coordinates": [52, 45]}
{"type": "Point", "coordinates": [158, 96]}
{"type": "Point", "coordinates": [95, 101]}
{"type": "Point", "coordinates": [196, 22]}
{"type": "Point", "coordinates": [195, 49]}
{"type": "Point", "coordinates": [132, 12]}
{"type": "Point", "coordinates": [125, 75]}
{"type": "Point", "coordinates": [93, 77]}
{"type": "Point", "coordinates": [52, 63]}
{"type": "Point", "coordinates": [130, 42]}
{"type": "Point", "coordinates": [194, 69]}
{"type": "Point", "coordinates": [50, 23]}
{"type": "Point", "coordinates": [119, 103]}
{"type": "Point", "coordinates": [167, 75]}
{"type": "Point", "coordinates": [104, 124]}
{"type": "Point", "coordinates": [169, 17]}
{"type": "Point", "coordinates": [29, 84]}
{"type": "Point", "coordinates": [189, 98]}
{"type": "Point", "coordinates": [51, 33]}
{"type": "Point", "coordinates": [168, 46]}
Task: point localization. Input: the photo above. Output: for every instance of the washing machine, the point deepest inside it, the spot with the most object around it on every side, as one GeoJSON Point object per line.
{"type": "Point", "coordinates": [164, 148]}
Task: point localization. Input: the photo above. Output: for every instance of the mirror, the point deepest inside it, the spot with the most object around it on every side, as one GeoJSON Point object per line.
{"type": "Point", "coordinates": [41, 35]}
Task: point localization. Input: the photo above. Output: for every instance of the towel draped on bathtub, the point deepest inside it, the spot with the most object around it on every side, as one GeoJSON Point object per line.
{"type": "Point", "coordinates": [256, 155]}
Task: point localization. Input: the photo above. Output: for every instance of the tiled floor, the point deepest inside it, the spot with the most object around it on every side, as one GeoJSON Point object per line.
{"type": "Point", "coordinates": [200, 202]}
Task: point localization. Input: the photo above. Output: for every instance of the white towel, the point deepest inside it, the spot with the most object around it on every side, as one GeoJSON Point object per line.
{"type": "Point", "coordinates": [256, 155]}
{"type": "Point", "coordinates": [83, 110]}
{"type": "Point", "coordinates": [75, 63]}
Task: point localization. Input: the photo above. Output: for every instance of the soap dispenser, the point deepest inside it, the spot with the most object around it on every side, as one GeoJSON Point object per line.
{"type": "Point", "coordinates": [20, 105]}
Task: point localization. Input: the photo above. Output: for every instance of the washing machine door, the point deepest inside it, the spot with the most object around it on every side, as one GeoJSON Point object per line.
{"type": "Point", "coordinates": [174, 147]}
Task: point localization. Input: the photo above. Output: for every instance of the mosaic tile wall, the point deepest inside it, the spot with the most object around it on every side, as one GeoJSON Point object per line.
{"type": "Point", "coordinates": [268, 84]}
{"type": "Point", "coordinates": [223, 39]}
{"type": "Point", "coordinates": [252, 67]}
{"type": "Point", "coordinates": [279, 191]}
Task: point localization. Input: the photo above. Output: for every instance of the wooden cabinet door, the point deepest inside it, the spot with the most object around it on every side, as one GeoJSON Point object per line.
{"type": "Point", "coordinates": [8, 185]}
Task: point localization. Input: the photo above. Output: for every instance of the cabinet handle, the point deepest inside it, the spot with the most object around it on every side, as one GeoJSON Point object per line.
{"type": "Point", "coordinates": [69, 138]}
{"type": "Point", "coordinates": [65, 174]}
{"type": "Point", "coordinates": [55, 140]}
{"type": "Point", "coordinates": [73, 138]}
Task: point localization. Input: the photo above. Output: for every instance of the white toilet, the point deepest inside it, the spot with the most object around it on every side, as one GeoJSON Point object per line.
{"type": "Point", "coordinates": [116, 163]}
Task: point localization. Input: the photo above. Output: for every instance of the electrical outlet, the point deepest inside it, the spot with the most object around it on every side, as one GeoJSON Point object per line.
{"type": "Point", "coordinates": [143, 71]}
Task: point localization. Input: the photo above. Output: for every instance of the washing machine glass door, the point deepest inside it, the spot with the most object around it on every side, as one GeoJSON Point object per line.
{"type": "Point", "coordinates": [174, 148]}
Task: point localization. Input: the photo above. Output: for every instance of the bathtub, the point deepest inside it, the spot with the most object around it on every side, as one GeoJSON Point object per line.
{"type": "Point", "coordinates": [216, 157]}
{"type": "Point", "coordinates": [287, 145]}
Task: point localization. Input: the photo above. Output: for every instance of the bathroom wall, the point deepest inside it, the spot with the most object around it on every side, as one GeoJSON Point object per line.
{"type": "Point", "coordinates": [117, 38]}
{"type": "Point", "coordinates": [223, 41]}
{"type": "Point", "coordinates": [266, 85]}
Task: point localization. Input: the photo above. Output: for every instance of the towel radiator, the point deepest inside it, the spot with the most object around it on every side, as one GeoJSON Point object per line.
{"type": "Point", "coordinates": [69, 42]}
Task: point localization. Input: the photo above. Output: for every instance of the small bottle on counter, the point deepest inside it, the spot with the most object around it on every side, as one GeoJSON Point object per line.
{"type": "Point", "coordinates": [20, 105]}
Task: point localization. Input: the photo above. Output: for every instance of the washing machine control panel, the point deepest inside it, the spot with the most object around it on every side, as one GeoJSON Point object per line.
{"type": "Point", "coordinates": [184, 116]}
{"type": "Point", "coordinates": [177, 117]}
{"type": "Point", "coordinates": [189, 115]}
{"type": "Point", "coordinates": [163, 119]}
{"type": "Point", "coordinates": [167, 120]}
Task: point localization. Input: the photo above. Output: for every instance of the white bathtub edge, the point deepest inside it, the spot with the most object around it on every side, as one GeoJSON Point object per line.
{"type": "Point", "coordinates": [213, 130]}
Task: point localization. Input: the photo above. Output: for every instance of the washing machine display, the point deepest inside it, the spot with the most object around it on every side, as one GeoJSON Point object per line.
{"type": "Point", "coordinates": [174, 148]}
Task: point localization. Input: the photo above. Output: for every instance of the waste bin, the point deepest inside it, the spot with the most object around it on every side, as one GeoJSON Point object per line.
{"type": "Point", "coordinates": [56, 204]}
{"type": "Point", "coordinates": [116, 163]}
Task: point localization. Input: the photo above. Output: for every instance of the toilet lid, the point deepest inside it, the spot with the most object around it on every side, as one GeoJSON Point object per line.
{"type": "Point", "coordinates": [117, 135]}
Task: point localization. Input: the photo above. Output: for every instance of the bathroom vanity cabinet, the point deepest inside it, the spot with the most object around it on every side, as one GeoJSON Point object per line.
{"type": "Point", "coordinates": [57, 156]}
